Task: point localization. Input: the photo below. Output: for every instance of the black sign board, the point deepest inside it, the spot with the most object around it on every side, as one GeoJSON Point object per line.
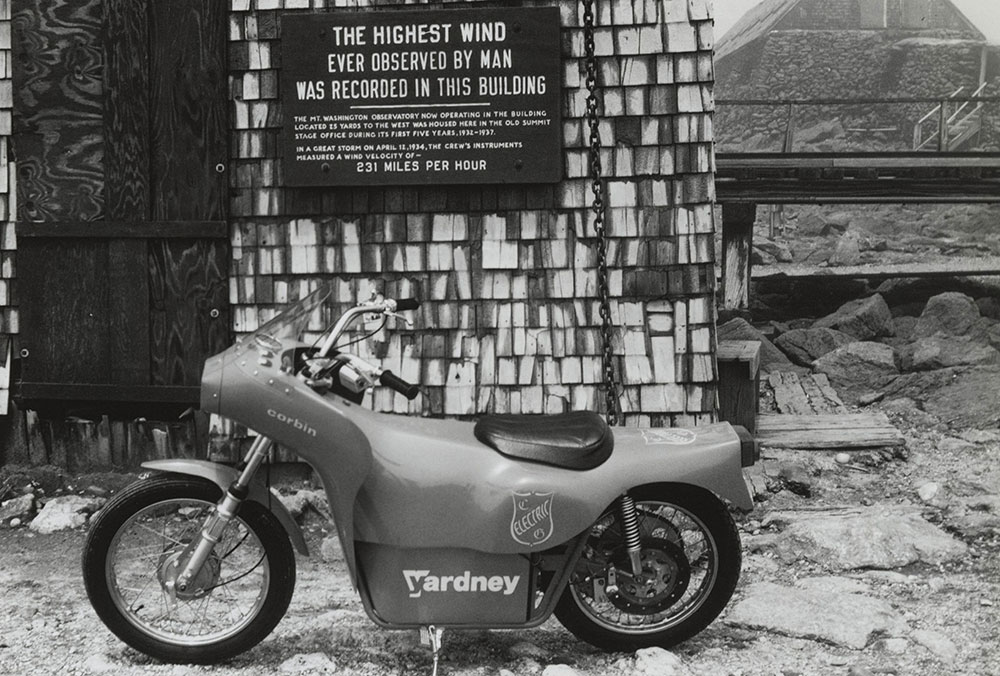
{"type": "Point", "coordinates": [422, 97]}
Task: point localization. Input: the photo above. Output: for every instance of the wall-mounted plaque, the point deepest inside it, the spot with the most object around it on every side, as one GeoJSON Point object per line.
{"type": "Point", "coordinates": [422, 97]}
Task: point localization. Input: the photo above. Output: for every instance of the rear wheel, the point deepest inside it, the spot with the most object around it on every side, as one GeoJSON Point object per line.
{"type": "Point", "coordinates": [691, 561]}
{"type": "Point", "coordinates": [132, 553]}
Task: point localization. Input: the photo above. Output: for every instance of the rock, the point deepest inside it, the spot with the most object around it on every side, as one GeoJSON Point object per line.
{"type": "Point", "coordinates": [771, 358]}
{"type": "Point", "coordinates": [980, 436]}
{"type": "Point", "coordinates": [836, 222]}
{"type": "Point", "coordinates": [988, 307]}
{"type": "Point", "coordinates": [896, 646]}
{"type": "Point", "coordinates": [309, 663]}
{"type": "Point", "coordinates": [821, 131]}
{"type": "Point", "coordinates": [937, 643]}
{"type": "Point", "coordinates": [864, 318]}
{"type": "Point", "coordinates": [844, 619]}
{"type": "Point", "coordinates": [849, 539]}
{"type": "Point", "coordinates": [330, 549]}
{"type": "Point", "coordinates": [797, 478]}
{"type": "Point", "coordinates": [99, 664]}
{"type": "Point", "coordinates": [62, 513]}
{"type": "Point", "coordinates": [953, 445]}
{"type": "Point", "coordinates": [943, 351]}
{"type": "Point", "coordinates": [658, 662]}
{"type": "Point", "coordinates": [528, 649]}
{"type": "Point", "coordinates": [296, 503]}
{"type": "Point", "coordinates": [928, 490]}
{"type": "Point", "coordinates": [858, 368]}
{"type": "Point", "coordinates": [779, 251]}
{"type": "Point", "coordinates": [804, 346]}
{"type": "Point", "coordinates": [950, 313]}
{"type": "Point", "coordinates": [962, 397]}
{"type": "Point", "coordinates": [842, 458]}
{"type": "Point", "coordinates": [18, 509]}
{"type": "Point", "coordinates": [848, 250]}
{"type": "Point", "coordinates": [559, 670]}
{"type": "Point", "coordinates": [834, 585]}
{"type": "Point", "coordinates": [903, 328]}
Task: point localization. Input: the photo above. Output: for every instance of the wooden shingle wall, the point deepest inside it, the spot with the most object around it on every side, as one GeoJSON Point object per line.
{"type": "Point", "coordinates": [8, 208]}
{"type": "Point", "coordinates": [510, 319]}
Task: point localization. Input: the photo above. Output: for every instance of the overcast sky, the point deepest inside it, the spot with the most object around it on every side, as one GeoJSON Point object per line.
{"type": "Point", "coordinates": [728, 11]}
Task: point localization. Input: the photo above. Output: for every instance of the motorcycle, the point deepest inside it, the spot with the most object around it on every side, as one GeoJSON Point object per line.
{"type": "Point", "coordinates": [625, 534]}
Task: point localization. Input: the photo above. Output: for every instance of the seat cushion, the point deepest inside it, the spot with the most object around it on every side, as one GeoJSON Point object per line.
{"type": "Point", "coordinates": [578, 440]}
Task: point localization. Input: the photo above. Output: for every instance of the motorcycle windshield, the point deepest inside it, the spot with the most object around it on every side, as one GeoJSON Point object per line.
{"type": "Point", "coordinates": [292, 323]}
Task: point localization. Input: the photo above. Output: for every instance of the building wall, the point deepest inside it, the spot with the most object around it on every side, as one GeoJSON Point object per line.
{"type": "Point", "coordinates": [507, 274]}
{"type": "Point", "coordinates": [8, 207]}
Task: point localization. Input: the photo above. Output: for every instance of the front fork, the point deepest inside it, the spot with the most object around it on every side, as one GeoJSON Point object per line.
{"type": "Point", "coordinates": [198, 551]}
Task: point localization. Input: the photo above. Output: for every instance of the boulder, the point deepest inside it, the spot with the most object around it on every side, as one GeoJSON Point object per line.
{"type": "Point", "coordinates": [62, 513]}
{"type": "Point", "coordinates": [988, 307]}
{"type": "Point", "coordinates": [771, 358]}
{"type": "Point", "coordinates": [858, 368]}
{"type": "Point", "coordinates": [882, 538]}
{"type": "Point", "coordinates": [850, 620]}
{"type": "Point", "coordinates": [962, 397]}
{"type": "Point", "coordinates": [804, 346]}
{"type": "Point", "coordinates": [778, 251]}
{"type": "Point", "coordinates": [943, 351]}
{"type": "Point", "coordinates": [21, 508]}
{"type": "Point", "coordinates": [951, 313]}
{"type": "Point", "coordinates": [847, 251]}
{"type": "Point", "coordinates": [864, 318]}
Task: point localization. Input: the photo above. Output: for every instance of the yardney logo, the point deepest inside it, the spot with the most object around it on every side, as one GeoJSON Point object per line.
{"type": "Point", "coordinates": [420, 581]}
{"type": "Point", "coordinates": [292, 422]}
{"type": "Point", "coordinates": [532, 521]}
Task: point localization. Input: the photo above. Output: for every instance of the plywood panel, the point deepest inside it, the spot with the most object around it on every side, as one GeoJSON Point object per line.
{"type": "Point", "coordinates": [188, 109]}
{"type": "Point", "coordinates": [58, 109]}
{"type": "Point", "coordinates": [187, 281]}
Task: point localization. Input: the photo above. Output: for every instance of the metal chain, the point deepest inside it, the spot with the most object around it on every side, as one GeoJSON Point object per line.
{"type": "Point", "coordinates": [597, 187]}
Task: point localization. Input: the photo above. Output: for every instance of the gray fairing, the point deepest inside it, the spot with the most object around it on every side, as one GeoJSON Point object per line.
{"type": "Point", "coordinates": [418, 482]}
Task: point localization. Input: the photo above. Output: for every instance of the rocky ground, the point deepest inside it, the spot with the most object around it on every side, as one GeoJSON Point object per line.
{"type": "Point", "coordinates": [871, 562]}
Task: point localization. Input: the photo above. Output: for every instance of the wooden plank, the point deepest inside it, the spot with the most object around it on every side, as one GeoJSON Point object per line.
{"type": "Point", "coordinates": [737, 242]}
{"type": "Point", "coordinates": [109, 229]}
{"type": "Point", "coordinates": [58, 72]}
{"type": "Point", "coordinates": [957, 266]}
{"type": "Point", "coordinates": [825, 432]}
{"type": "Point", "coordinates": [102, 392]}
{"type": "Point", "coordinates": [189, 311]}
{"type": "Point", "coordinates": [63, 320]}
{"type": "Point", "coordinates": [789, 395]}
{"type": "Point", "coordinates": [188, 98]}
{"type": "Point", "coordinates": [128, 313]}
{"type": "Point", "coordinates": [126, 113]}
{"type": "Point", "coordinates": [739, 382]}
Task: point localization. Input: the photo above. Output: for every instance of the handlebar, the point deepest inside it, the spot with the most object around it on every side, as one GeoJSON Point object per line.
{"type": "Point", "coordinates": [390, 379]}
{"type": "Point", "coordinates": [404, 304]}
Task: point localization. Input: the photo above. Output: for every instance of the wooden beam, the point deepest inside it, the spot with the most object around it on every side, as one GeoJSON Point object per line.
{"type": "Point", "coordinates": [737, 242]}
{"type": "Point", "coordinates": [827, 432]}
{"type": "Point", "coordinates": [955, 267]}
{"type": "Point", "coordinates": [125, 229]}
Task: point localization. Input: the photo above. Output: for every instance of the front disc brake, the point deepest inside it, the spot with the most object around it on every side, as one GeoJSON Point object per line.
{"type": "Point", "coordinates": [666, 573]}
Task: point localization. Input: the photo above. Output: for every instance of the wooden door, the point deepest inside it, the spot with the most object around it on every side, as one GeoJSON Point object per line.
{"type": "Point", "coordinates": [121, 143]}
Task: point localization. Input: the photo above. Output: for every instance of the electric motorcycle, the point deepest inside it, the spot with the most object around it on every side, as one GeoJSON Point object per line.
{"type": "Point", "coordinates": [624, 534]}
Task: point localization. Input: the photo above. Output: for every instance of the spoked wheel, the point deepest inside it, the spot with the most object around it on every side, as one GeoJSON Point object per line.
{"type": "Point", "coordinates": [690, 565]}
{"type": "Point", "coordinates": [134, 551]}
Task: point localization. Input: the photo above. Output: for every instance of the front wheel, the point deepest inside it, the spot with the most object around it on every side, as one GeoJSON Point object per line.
{"type": "Point", "coordinates": [131, 555]}
{"type": "Point", "coordinates": [690, 554]}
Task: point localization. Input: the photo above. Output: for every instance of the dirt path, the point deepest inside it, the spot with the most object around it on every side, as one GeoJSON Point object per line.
{"type": "Point", "coordinates": [47, 626]}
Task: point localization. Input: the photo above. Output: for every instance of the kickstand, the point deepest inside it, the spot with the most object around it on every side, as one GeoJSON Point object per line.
{"type": "Point", "coordinates": [431, 636]}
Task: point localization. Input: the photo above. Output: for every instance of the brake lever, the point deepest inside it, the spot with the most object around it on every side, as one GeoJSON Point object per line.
{"type": "Point", "coordinates": [396, 315]}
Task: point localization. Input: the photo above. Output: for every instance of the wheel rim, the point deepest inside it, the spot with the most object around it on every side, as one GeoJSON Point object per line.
{"type": "Point", "coordinates": [680, 558]}
{"type": "Point", "coordinates": [219, 603]}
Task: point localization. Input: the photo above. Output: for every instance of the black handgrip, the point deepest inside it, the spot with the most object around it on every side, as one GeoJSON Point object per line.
{"type": "Point", "coordinates": [390, 379]}
{"type": "Point", "coordinates": [404, 304]}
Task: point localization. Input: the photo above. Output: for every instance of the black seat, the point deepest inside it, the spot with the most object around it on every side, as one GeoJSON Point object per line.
{"type": "Point", "coordinates": [578, 440]}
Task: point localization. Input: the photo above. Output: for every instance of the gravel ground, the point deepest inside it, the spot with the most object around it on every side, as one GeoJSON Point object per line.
{"type": "Point", "coordinates": [47, 626]}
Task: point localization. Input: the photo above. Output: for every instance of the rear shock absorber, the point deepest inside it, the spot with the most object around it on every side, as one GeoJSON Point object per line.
{"type": "Point", "coordinates": [630, 529]}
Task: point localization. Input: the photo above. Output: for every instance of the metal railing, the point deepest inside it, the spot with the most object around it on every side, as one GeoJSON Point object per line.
{"type": "Point", "coordinates": [860, 125]}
